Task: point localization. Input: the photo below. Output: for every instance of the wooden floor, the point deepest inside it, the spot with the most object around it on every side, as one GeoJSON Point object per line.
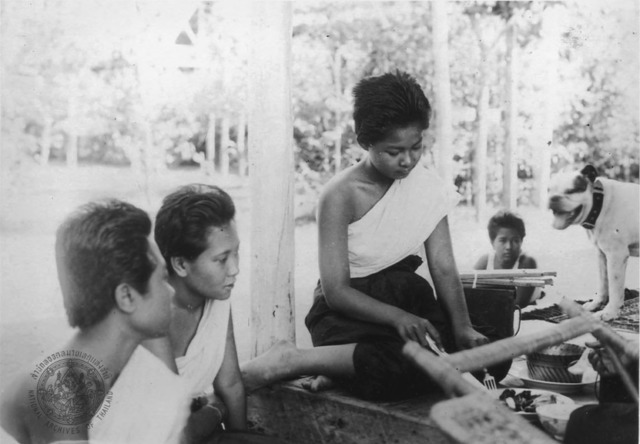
{"type": "Point", "coordinates": [298, 416]}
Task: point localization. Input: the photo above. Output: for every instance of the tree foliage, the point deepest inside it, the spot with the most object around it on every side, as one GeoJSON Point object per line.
{"type": "Point", "coordinates": [137, 82]}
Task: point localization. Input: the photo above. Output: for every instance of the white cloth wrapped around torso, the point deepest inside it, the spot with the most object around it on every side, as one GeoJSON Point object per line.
{"type": "Point", "coordinates": [148, 404]}
{"type": "Point", "coordinates": [205, 353]}
{"type": "Point", "coordinates": [400, 222]}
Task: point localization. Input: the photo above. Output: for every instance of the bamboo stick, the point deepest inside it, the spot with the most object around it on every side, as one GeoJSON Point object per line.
{"type": "Point", "coordinates": [523, 272]}
{"type": "Point", "coordinates": [486, 355]}
{"type": "Point", "coordinates": [602, 332]}
{"type": "Point", "coordinates": [510, 282]}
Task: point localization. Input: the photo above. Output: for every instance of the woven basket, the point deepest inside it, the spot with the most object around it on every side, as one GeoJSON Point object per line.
{"type": "Point", "coordinates": [551, 364]}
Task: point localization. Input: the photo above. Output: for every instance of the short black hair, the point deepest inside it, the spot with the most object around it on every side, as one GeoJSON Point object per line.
{"type": "Point", "coordinates": [385, 103]}
{"type": "Point", "coordinates": [505, 219]}
{"type": "Point", "coordinates": [186, 217]}
{"type": "Point", "coordinates": [98, 247]}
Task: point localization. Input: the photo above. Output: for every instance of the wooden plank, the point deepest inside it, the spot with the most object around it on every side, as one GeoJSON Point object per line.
{"type": "Point", "coordinates": [477, 419]}
{"type": "Point", "coordinates": [333, 417]}
{"type": "Point", "coordinates": [499, 351]}
{"type": "Point", "coordinates": [271, 171]}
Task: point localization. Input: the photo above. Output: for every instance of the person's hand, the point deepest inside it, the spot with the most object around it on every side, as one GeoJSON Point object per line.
{"type": "Point", "coordinates": [600, 359]}
{"type": "Point", "coordinates": [414, 328]}
{"type": "Point", "coordinates": [469, 338]}
{"type": "Point", "coordinates": [206, 417]}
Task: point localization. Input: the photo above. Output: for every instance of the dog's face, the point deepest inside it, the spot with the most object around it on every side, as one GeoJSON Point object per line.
{"type": "Point", "coordinates": [570, 198]}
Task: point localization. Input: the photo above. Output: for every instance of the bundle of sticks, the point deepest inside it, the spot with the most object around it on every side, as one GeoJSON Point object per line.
{"type": "Point", "coordinates": [507, 278]}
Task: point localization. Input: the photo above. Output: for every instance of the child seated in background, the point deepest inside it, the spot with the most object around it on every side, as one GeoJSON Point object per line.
{"type": "Point", "coordinates": [506, 233]}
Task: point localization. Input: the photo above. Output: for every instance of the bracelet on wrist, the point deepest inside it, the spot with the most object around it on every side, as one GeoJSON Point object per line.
{"type": "Point", "coordinates": [217, 410]}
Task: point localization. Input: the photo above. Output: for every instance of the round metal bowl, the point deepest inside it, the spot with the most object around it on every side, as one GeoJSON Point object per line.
{"type": "Point", "coordinates": [551, 364]}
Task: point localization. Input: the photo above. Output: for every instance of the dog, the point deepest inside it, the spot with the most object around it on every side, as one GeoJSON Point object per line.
{"type": "Point", "coordinates": [609, 211]}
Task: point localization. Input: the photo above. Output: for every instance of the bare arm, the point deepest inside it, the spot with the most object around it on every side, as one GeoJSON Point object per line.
{"type": "Point", "coordinates": [482, 262]}
{"type": "Point", "coordinates": [228, 384]}
{"type": "Point", "coordinates": [448, 286]}
{"type": "Point", "coordinates": [334, 216]}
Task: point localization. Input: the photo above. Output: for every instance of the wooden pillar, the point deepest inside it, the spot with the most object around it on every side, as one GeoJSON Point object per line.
{"type": "Point", "coordinates": [271, 176]}
{"type": "Point", "coordinates": [442, 88]}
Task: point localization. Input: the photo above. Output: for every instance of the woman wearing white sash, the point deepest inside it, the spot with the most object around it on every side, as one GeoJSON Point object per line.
{"type": "Point", "coordinates": [196, 232]}
{"type": "Point", "coordinates": [375, 220]}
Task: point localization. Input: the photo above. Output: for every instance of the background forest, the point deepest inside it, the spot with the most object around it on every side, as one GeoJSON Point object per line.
{"type": "Point", "coordinates": [153, 85]}
{"type": "Point", "coordinates": [133, 98]}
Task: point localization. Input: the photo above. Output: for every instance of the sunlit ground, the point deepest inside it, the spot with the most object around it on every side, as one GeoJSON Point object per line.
{"type": "Point", "coordinates": [31, 313]}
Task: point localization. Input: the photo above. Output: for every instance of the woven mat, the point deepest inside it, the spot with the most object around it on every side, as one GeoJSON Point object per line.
{"type": "Point", "coordinates": [628, 319]}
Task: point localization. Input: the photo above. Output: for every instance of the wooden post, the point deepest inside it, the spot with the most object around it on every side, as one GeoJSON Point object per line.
{"type": "Point", "coordinates": [442, 88]}
{"type": "Point", "coordinates": [271, 176]}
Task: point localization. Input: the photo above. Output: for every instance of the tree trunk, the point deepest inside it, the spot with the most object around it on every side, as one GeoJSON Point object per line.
{"type": "Point", "coordinates": [337, 91]}
{"type": "Point", "coordinates": [72, 147]}
{"type": "Point", "coordinates": [224, 146]}
{"type": "Point", "coordinates": [241, 146]}
{"type": "Point", "coordinates": [271, 163]}
{"type": "Point", "coordinates": [510, 162]}
{"type": "Point", "coordinates": [148, 166]}
{"type": "Point", "coordinates": [210, 144]}
{"type": "Point", "coordinates": [480, 158]}
{"type": "Point", "coordinates": [550, 48]}
{"type": "Point", "coordinates": [442, 88]}
{"type": "Point", "coordinates": [46, 140]}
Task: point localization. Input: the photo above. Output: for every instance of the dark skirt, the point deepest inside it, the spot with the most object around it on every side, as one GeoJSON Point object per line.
{"type": "Point", "coordinates": [613, 421]}
{"type": "Point", "coordinates": [381, 370]}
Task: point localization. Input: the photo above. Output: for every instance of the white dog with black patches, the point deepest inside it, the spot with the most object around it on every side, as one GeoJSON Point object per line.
{"type": "Point", "coordinates": [609, 211]}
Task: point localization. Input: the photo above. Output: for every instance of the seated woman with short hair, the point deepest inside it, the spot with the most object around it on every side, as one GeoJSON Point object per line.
{"type": "Point", "coordinates": [100, 386]}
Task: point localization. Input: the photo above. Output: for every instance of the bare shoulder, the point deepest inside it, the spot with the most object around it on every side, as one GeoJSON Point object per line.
{"type": "Point", "coordinates": [527, 262]}
{"type": "Point", "coordinates": [337, 194]}
{"type": "Point", "coordinates": [482, 262]}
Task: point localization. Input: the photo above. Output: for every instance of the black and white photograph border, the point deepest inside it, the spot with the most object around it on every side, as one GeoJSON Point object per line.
{"type": "Point", "coordinates": [132, 98]}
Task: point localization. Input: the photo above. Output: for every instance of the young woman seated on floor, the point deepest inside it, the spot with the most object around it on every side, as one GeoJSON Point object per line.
{"type": "Point", "coordinates": [377, 222]}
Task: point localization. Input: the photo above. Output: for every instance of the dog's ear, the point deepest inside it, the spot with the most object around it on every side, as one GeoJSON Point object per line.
{"type": "Point", "coordinates": [589, 172]}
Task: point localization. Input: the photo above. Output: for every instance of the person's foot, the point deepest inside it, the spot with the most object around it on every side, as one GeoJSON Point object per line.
{"type": "Point", "coordinates": [318, 383]}
{"type": "Point", "coordinates": [274, 365]}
